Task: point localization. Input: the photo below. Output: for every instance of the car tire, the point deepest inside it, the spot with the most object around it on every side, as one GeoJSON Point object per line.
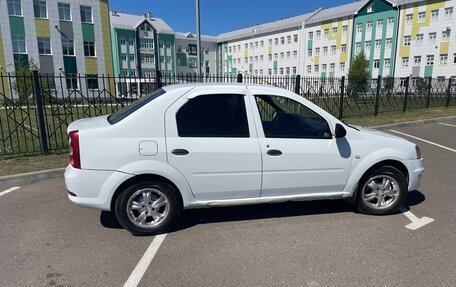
{"type": "Point", "coordinates": [382, 191]}
{"type": "Point", "coordinates": [148, 207]}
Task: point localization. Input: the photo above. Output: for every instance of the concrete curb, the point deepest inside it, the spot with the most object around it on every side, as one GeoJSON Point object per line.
{"type": "Point", "coordinates": [413, 123]}
{"type": "Point", "coordinates": [32, 176]}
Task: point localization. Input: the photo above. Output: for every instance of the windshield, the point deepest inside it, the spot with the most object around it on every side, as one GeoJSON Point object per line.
{"type": "Point", "coordinates": [128, 110]}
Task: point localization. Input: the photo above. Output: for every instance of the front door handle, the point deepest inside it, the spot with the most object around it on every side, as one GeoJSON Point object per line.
{"type": "Point", "coordinates": [180, 151]}
{"type": "Point", "coordinates": [274, 152]}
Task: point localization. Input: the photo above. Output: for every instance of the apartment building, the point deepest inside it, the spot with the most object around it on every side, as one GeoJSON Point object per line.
{"type": "Point", "coordinates": [59, 36]}
{"type": "Point", "coordinates": [273, 48]}
{"type": "Point", "coordinates": [187, 57]}
{"type": "Point", "coordinates": [426, 46]}
{"type": "Point", "coordinates": [328, 41]}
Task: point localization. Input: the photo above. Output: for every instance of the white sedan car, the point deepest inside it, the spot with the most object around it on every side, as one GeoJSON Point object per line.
{"type": "Point", "coordinates": [203, 145]}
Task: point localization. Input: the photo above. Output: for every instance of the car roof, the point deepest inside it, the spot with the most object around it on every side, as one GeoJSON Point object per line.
{"type": "Point", "coordinates": [175, 87]}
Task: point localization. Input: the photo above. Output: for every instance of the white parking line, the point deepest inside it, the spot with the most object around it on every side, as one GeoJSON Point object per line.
{"type": "Point", "coordinates": [9, 190]}
{"type": "Point", "coordinates": [449, 125]}
{"type": "Point", "coordinates": [423, 140]}
{"type": "Point", "coordinates": [145, 261]}
{"type": "Point", "coordinates": [416, 222]}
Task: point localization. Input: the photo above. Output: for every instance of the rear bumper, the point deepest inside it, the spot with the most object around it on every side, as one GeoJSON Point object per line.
{"type": "Point", "coordinates": [93, 188]}
{"type": "Point", "coordinates": [415, 168]}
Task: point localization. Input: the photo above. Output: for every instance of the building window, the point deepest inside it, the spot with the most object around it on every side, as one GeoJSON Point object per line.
{"type": "Point", "coordinates": [276, 56]}
{"type": "Point", "coordinates": [282, 40]}
{"type": "Point", "coordinates": [367, 47]}
{"type": "Point", "coordinates": [295, 38]}
{"type": "Point", "coordinates": [417, 61]}
{"type": "Point", "coordinates": [446, 35]}
{"type": "Point", "coordinates": [376, 64]}
{"type": "Point", "coordinates": [89, 48]}
{"type": "Point", "coordinates": [419, 39]}
{"type": "Point", "coordinates": [357, 48]}
{"type": "Point", "coordinates": [131, 57]}
{"type": "Point", "coordinates": [124, 56]}
{"type": "Point", "coordinates": [309, 69]}
{"type": "Point", "coordinates": [86, 14]}
{"type": "Point", "coordinates": [269, 43]}
{"type": "Point", "coordinates": [421, 17]}
{"type": "Point", "coordinates": [334, 31]}
{"type": "Point", "coordinates": [270, 72]}
{"type": "Point", "coordinates": [281, 71]}
{"type": "Point", "coordinates": [18, 44]}
{"type": "Point", "coordinates": [92, 82]}
{"type": "Point", "coordinates": [44, 46]}
{"type": "Point", "coordinates": [387, 63]}
{"type": "Point", "coordinates": [131, 42]}
{"type": "Point", "coordinates": [454, 58]}
{"type": "Point", "coordinates": [449, 13]}
{"type": "Point", "coordinates": [261, 58]}
{"type": "Point", "coordinates": [191, 62]}
{"type": "Point", "coordinates": [64, 12]}
{"type": "Point", "coordinates": [311, 35]}
{"type": "Point", "coordinates": [39, 7]}
{"type": "Point", "coordinates": [71, 82]}
{"type": "Point", "coordinates": [317, 51]}
{"type": "Point", "coordinates": [332, 67]}
{"type": "Point", "coordinates": [14, 7]}
{"type": "Point", "coordinates": [368, 26]}
{"type": "Point", "coordinates": [409, 19]}
{"type": "Point", "coordinates": [389, 43]}
{"type": "Point", "coordinates": [344, 30]}
{"type": "Point", "coordinates": [281, 56]}
{"type": "Point", "coordinates": [323, 68]}
{"type": "Point", "coordinates": [325, 51]}
{"type": "Point", "coordinates": [342, 66]}
{"type": "Point", "coordinates": [318, 34]}
{"type": "Point", "coordinates": [276, 41]}
{"type": "Point", "coordinates": [261, 45]}
{"type": "Point", "coordinates": [68, 47]}
{"type": "Point", "coordinates": [122, 41]}
{"type": "Point", "coordinates": [405, 62]}
{"type": "Point", "coordinates": [295, 54]}
{"type": "Point", "coordinates": [326, 34]}
{"type": "Point", "coordinates": [379, 24]}
{"type": "Point", "coordinates": [406, 40]}
{"type": "Point", "coordinates": [370, 9]}
{"type": "Point", "coordinates": [269, 57]}
{"type": "Point", "coordinates": [288, 55]}
{"type": "Point", "coordinates": [430, 60]}
{"type": "Point", "coordinates": [434, 15]}
{"type": "Point", "coordinates": [443, 59]}
{"type": "Point", "coordinates": [288, 39]}
{"type": "Point", "coordinates": [390, 23]}
{"type": "Point", "coordinates": [316, 68]}
{"type": "Point", "coordinates": [288, 70]}
{"type": "Point", "coordinates": [432, 38]}
{"type": "Point", "coordinates": [333, 50]}
{"type": "Point", "coordinates": [378, 44]}
{"type": "Point", "coordinates": [343, 48]}
{"type": "Point", "coordinates": [359, 28]}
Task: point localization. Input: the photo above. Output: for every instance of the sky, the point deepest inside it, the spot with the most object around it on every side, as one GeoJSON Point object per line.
{"type": "Point", "coordinates": [219, 16]}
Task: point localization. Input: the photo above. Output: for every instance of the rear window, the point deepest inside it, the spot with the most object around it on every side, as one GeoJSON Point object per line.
{"type": "Point", "coordinates": [128, 110]}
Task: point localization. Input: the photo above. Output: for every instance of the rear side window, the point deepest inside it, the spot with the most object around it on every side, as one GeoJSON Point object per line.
{"type": "Point", "coordinates": [220, 115]}
{"type": "Point", "coordinates": [128, 110]}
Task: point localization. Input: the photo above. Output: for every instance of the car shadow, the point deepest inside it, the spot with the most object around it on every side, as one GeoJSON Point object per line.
{"type": "Point", "coordinates": [193, 217]}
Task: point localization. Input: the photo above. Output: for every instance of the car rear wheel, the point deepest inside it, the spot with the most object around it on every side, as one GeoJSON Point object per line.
{"type": "Point", "coordinates": [148, 207]}
{"type": "Point", "coordinates": [382, 192]}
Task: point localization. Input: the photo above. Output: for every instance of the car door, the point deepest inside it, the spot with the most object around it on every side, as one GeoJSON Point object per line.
{"type": "Point", "coordinates": [211, 140]}
{"type": "Point", "coordinates": [300, 155]}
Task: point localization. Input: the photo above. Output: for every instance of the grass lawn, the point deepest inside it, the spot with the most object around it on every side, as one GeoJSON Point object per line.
{"type": "Point", "coordinates": [17, 165]}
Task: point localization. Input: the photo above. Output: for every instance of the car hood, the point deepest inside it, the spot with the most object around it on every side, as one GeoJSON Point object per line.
{"type": "Point", "coordinates": [378, 133]}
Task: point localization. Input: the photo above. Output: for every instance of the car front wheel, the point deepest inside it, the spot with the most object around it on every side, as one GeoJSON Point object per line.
{"type": "Point", "coordinates": [148, 207]}
{"type": "Point", "coordinates": [382, 192]}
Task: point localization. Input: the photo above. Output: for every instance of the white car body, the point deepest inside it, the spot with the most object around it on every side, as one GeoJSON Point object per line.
{"type": "Point", "coordinates": [227, 171]}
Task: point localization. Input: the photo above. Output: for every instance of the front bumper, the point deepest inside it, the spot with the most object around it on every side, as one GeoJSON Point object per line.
{"type": "Point", "coordinates": [93, 188]}
{"type": "Point", "coordinates": [415, 168]}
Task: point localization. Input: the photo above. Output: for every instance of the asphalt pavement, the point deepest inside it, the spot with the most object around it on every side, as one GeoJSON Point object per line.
{"type": "Point", "coordinates": [48, 241]}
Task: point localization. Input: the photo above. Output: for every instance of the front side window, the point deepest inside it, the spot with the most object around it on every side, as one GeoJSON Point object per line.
{"type": "Point", "coordinates": [14, 7]}
{"type": "Point", "coordinates": [44, 46]}
{"type": "Point", "coordinates": [86, 14]}
{"type": "Point", "coordinates": [18, 44]}
{"type": "Point", "coordinates": [89, 48]}
{"type": "Point", "coordinates": [220, 115]}
{"type": "Point", "coordinates": [39, 7]}
{"type": "Point", "coordinates": [285, 118]}
{"type": "Point", "coordinates": [64, 12]}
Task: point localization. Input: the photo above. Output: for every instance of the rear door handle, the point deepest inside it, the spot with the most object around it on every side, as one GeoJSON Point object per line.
{"type": "Point", "coordinates": [180, 151]}
{"type": "Point", "coordinates": [274, 152]}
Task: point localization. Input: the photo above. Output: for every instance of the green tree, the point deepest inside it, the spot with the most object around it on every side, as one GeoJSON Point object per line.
{"type": "Point", "coordinates": [358, 75]}
{"type": "Point", "coordinates": [388, 85]}
{"type": "Point", "coordinates": [23, 82]}
{"type": "Point", "coordinates": [420, 86]}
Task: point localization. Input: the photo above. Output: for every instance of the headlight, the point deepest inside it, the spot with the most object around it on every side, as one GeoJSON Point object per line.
{"type": "Point", "coordinates": [418, 152]}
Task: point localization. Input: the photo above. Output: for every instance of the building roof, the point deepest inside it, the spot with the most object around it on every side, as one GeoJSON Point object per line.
{"type": "Point", "coordinates": [336, 12]}
{"type": "Point", "coordinates": [278, 25]}
{"type": "Point", "coordinates": [190, 36]}
{"type": "Point", "coordinates": [130, 22]}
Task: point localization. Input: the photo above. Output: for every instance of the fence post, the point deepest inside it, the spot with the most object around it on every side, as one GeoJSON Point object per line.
{"type": "Point", "coordinates": [428, 96]}
{"type": "Point", "coordinates": [40, 112]}
{"type": "Point", "coordinates": [158, 79]}
{"type": "Point", "coordinates": [377, 95]}
{"type": "Point", "coordinates": [341, 98]}
{"type": "Point", "coordinates": [297, 84]}
{"type": "Point", "coordinates": [239, 78]}
{"type": "Point", "coordinates": [448, 92]}
{"type": "Point", "coordinates": [406, 94]}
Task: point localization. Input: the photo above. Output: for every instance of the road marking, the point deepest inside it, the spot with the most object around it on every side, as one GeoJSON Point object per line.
{"type": "Point", "coordinates": [9, 190]}
{"type": "Point", "coordinates": [446, 124]}
{"type": "Point", "coordinates": [423, 140]}
{"type": "Point", "coordinates": [145, 261]}
{"type": "Point", "coordinates": [416, 222]}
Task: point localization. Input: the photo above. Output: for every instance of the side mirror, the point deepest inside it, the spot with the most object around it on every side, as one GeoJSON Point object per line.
{"type": "Point", "coordinates": [340, 131]}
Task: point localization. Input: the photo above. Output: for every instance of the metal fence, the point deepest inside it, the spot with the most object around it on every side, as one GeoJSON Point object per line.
{"type": "Point", "coordinates": [35, 109]}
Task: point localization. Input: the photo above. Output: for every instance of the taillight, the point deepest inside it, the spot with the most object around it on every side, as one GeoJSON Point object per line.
{"type": "Point", "coordinates": [75, 157]}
